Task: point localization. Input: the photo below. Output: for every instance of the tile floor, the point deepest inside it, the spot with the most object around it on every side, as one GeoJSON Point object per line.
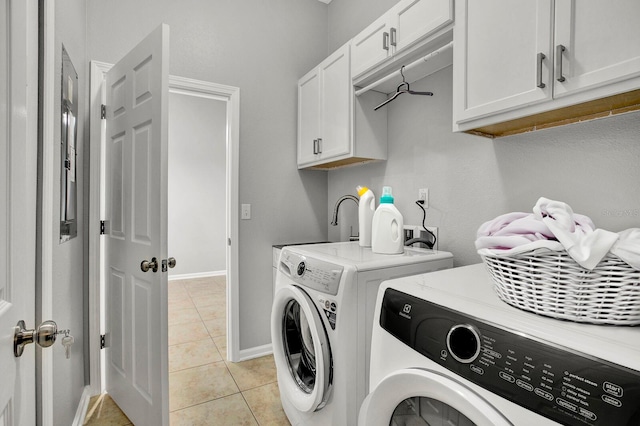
{"type": "Point", "coordinates": [204, 388]}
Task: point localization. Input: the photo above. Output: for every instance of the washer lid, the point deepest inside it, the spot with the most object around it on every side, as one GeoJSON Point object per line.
{"type": "Point", "coordinates": [363, 259]}
{"type": "Point", "coordinates": [429, 396]}
{"type": "Point", "coordinates": [301, 350]}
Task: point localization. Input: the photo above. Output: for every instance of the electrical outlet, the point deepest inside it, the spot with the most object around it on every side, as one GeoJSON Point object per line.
{"type": "Point", "coordinates": [423, 194]}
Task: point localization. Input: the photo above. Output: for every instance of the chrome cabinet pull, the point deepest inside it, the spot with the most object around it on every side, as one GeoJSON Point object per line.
{"type": "Point", "coordinates": [539, 83]}
{"type": "Point", "coordinates": [385, 40]}
{"type": "Point", "coordinates": [315, 146]}
{"type": "Point", "coordinates": [319, 145]}
{"type": "Point", "coordinates": [559, 50]}
{"type": "Point", "coordinates": [393, 37]}
{"type": "Point", "coordinates": [146, 265]}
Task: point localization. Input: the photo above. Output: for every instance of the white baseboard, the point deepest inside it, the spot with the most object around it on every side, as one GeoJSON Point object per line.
{"type": "Point", "coordinates": [197, 275]}
{"type": "Point", "coordinates": [257, 352]}
{"type": "Point", "coordinates": [83, 406]}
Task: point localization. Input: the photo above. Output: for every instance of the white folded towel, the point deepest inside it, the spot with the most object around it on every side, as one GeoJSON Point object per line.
{"type": "Point", "coordinates": [627, 247]}
{"type": "Point", "coordinates": [585, 244]}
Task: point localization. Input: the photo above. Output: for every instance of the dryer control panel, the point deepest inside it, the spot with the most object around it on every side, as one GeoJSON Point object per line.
{"type": "Point", "coordinates": [310, 272]}
{"type": "Point", "coordinates": [553, 381]}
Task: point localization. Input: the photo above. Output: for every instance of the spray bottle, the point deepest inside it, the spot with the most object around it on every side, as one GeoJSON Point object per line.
{"type": "Point", "coordinates": [366, 209]}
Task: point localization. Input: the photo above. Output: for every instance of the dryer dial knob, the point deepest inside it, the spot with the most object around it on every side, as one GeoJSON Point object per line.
{"type": "Point", "coordinates": [301, 268]}
{"type": "Point", "coordinates": [463, 342]}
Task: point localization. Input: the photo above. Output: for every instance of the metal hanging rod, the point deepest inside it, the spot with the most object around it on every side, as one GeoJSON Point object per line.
{"type": "Point", "coordinates": [396, 74]}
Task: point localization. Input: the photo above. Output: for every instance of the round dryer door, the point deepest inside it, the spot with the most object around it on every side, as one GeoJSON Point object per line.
{"type": "Point", "coordinates": [416, 396]}
{"type": "Point", "coordinates": [300, 349]}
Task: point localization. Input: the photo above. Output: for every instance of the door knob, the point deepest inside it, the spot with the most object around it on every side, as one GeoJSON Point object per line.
{"type": "Point", "coordinates": [45, 336]}
{"type": "Point", "coordinates": [145, 265]}
{"type": "Point", "coordinates": [168, 263]}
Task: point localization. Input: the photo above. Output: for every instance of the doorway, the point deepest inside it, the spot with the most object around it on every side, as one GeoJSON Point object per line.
{"type": "Point", "coordinates": [229, 96]}
{"type": "Point", "coordinates": [196, 185]}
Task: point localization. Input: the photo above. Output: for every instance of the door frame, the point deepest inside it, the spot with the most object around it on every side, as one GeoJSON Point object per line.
{"type": "Point", "coordinates": [47, 153]}
{"type": "Point", "coordinates": [228, 94]}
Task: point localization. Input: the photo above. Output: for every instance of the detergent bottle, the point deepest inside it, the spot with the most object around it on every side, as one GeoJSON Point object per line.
{"type": "Point", "coordinates": [387, 227]}
{"type": "Point", "coordinates": [366, 209]}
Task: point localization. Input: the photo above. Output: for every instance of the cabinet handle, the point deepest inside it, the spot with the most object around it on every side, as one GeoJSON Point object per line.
{"type": "Point", "coordinates": [319, 145]}
{"type": "Point", "coordinates": [539, 83]}
{"type": "Point", "coordinates": [559, 49]}
{"type": "Point", "coordinates": [393, 37]}
{"type": "Point", "coordinates": [385, 40]}
{"type": "Point", "coordinates": [315, 146]}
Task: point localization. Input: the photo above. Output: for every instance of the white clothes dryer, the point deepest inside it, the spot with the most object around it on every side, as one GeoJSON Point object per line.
{"type": "Point", "coordinates": [321, 324]}
{"type": "Point", "coordinates": [447, 351]}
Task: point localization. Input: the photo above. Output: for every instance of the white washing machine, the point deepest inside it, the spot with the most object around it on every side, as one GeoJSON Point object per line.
{"type": "Point", "coordinates": [447, 351]}
{"type": "Point", "coordinates": [321, 324]}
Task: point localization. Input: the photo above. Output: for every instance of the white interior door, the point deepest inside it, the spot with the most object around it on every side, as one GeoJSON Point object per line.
{"type": "Point", "coordinates": [136, 214]}
{"type": "Point", "coordinates": [18, 148]}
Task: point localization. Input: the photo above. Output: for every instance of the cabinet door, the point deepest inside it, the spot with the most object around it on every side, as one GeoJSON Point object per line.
{"type": "Point", "coordinates": [308, 116]}
{"type": "Point", "coordinates": [601, 40]}
{"type": "Point", "coordinates": [336, 97]}
{"type": "Point", "coordinates": [496, 56]}
{"type": "Point", "coordinates": [414, 19]}
{"type": "Point", "coordinates": [371, 46]}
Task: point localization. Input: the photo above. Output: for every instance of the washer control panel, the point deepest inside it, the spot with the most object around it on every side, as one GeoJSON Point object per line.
{"type": "Point", "coordinates": [555, 382]}
{"type": "Point", "coordinates": [310, 272]}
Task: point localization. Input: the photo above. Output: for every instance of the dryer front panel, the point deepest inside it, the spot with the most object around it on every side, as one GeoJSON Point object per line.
{"type": "Point", "coordinates": [556, 382]}
{"type": "Point", "coordinates": [416, 396]}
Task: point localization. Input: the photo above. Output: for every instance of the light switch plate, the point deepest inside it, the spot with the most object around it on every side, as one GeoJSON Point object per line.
{"type": "Point", "coordinates": [245, 211]}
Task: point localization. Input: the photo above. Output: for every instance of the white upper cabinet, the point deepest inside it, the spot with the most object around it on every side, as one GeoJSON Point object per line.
{"type": "Point", "coordinates": [327, 118]}
{"type": "Point", "coordinates": [521, 59]}
{"type": "Point", "coordinates": [371, 46]}
{"type": "Point", "coordinates": [335, 104]}
{"type": "Point", "coordinates": [601, 41]}
{"type": "Point", "coordinates": [308, 116]}
{"type": "Point", "coordinates": [401, 27]}
{"type": "Point", "coordinates": [324, 101]}
{"type": "Point", "coordinates": [496, 55]}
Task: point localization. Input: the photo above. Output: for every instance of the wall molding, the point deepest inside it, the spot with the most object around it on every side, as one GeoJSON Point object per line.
{"type": "Point", "coordinates": [255, 352]}
{"type": "Point", "coordinates": [197, 275]}
{"type": "Point", "coordinates": [83, 406]}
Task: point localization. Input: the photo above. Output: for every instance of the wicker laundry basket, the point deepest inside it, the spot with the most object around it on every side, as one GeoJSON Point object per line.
{"type": "Point", "coordinates": [551, 283]}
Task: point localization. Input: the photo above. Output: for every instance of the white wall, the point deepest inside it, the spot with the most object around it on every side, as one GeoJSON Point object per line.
{"type": "Point", "coordinates": [593, 166]}
{"type": "Point", "coordinates": [69, 290]}
{"type": "Point", "coordinates": [262, 47]}
{"type": "Point", "coordinates": [197, 177]}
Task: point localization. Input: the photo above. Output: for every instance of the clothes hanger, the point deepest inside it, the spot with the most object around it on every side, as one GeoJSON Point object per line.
{"type": "Point", "coordinates": [399, 91]}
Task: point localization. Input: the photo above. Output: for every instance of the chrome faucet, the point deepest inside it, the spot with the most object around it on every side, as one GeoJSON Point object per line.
{"type": "Point", "coordinates": [334, 222]}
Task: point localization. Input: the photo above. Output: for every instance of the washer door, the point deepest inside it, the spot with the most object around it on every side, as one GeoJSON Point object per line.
{"type": "Point", "coordinates": [416, 396]}
{"type": "Point", "coordinates": [300, 349]}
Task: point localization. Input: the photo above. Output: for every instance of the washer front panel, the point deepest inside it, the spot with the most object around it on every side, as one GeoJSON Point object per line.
{"type": "Point", "coordinates": [564, 386]}
{"type": "Point", "coordinates": [312, 273]}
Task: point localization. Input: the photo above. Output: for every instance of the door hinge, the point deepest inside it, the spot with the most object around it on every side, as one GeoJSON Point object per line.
{"type": "Point", "coordinates": [103, 111]}
{"type": "Point", "coordinates": [103, 227]}
{"type": "Point", "coordinates": [103, 341]}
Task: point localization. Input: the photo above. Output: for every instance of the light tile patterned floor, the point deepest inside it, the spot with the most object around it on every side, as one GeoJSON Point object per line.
{"type": "Point", "coordinates": [204, 388]}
